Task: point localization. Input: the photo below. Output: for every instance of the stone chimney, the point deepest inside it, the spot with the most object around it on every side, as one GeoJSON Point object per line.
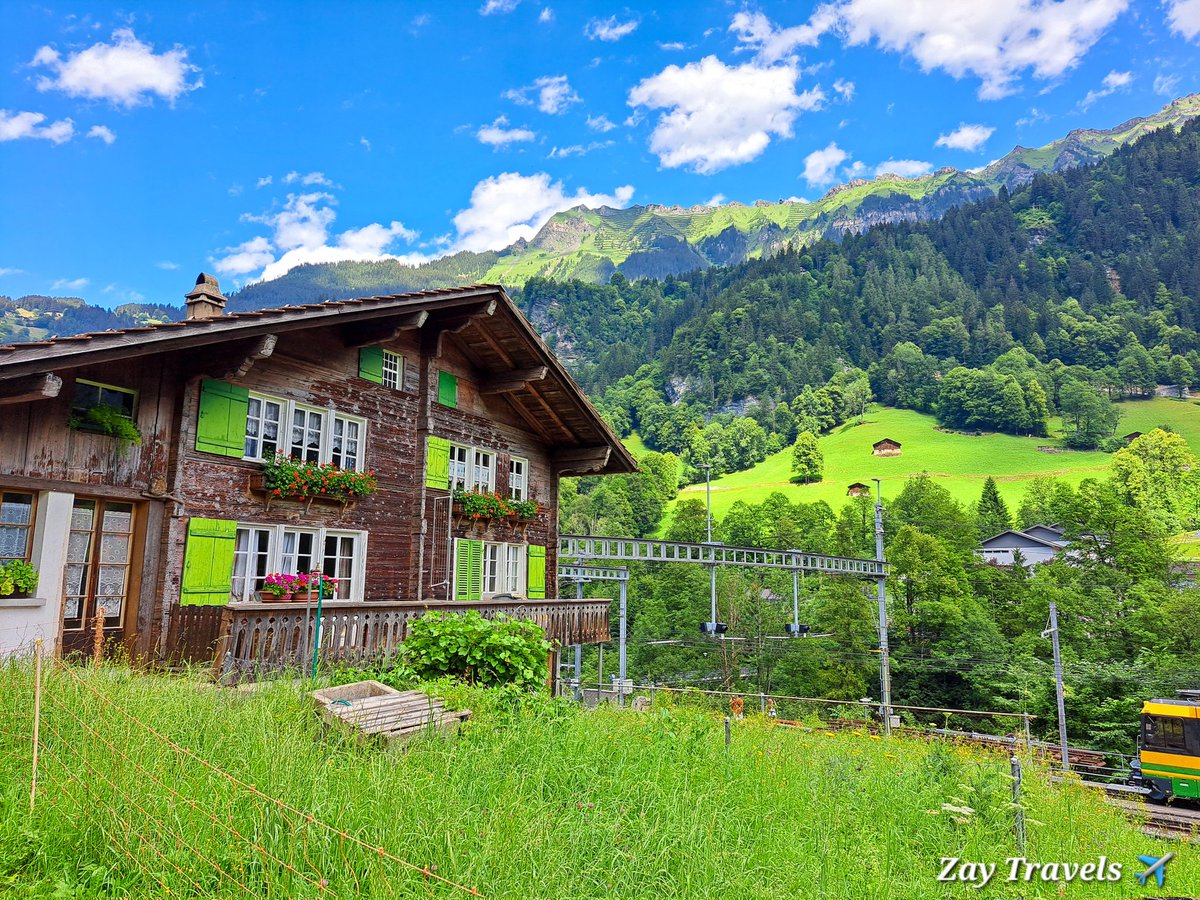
{"type": "Point", "coordinates": [205, 300]}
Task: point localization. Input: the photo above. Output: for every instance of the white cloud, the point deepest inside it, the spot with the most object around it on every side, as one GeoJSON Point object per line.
{"type": "Point", "coordinates": [905, 168]}
{"type": "Point", "coordinates": [1184, 16]}
{"type": "Point", "coordinates": [673, 45]}
{"type": "Point", "coordinates": [15, 126]}
{"type": "Point", "coordinates": [546, 15]}
{"type": "Point", "coordinates": [499, 135]}
{"type": "Point", "coordinates": [300, 233]}
{"type": "Point", "coordinates": [965, 137]}
{"type": "Point", "coordinates": [610, 29]}
{"type": "Point", "coordinates": [363, 142]}
{"type": "Point", "coordinates": [845, 89]}
{"type": "Point", "coordinates": [754, 31]}
{"type": "Point", "coordinates": [600, 123]}
{"type": "Point", "coordinates": [992, 40]}
{"type": "Point", "coordinates": [1165, 84]}
{"type": "Point", "coordinates": [10, 270]}
{"type": "Point", "coordinates": [492, 7]}
{"type": "Point", "coordinates": [715, 200]}
{"type": "Point", "coordinates": [820, 166]}
{"type": "Point", "coordinates": [509, 206]}
{"type": "Point", "coordinates": [102, 133]}
{"type": "Point", "coordinates": [578, 149]}
{"type": "Point", "coordinates": [553, 94]}
{"type": "Point", "coordinates": [264, 181]}
{"type": "Point", "coordinates": [248, 256]}
{"type": "Point", "coordinates": [70, 284]}
{"type": "Point", "coordinates": [126, 72]}
{"type": "Point", "coordinates": [166, 265]}
{"type": "Point", "coordinates": [309, 180]}
{"type": "Point", "coordinates": [234, 190]}
{"type": "Point", "coordinates": [1113, 82]}
{"type": "Point", "coordinates": [1035, 115]}
{"type": "Point", "coordinates": [717, 115]}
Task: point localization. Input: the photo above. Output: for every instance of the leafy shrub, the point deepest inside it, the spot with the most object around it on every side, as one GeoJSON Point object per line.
{"type": "Point", "coordinates": [105, 419]}
{"type": "Point", "coordinates": [495, 651]}
{"type": "Point", "coordinates": [17, 575]}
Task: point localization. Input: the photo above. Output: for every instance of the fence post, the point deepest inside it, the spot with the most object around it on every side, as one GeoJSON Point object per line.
{"type": "Point", "coordinates": [1018, 809]}
{"type": "Point", "coordinates": [37, 715]}
{"type": "Point", "coordinates": [98, 639]}
{"type": "Point", "coordinates": [762, 702]}
{"type": "Point", "coordinates": [727, 732]}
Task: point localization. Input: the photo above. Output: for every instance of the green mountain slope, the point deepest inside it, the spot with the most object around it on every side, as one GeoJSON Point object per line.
{"type": "Point", "coordinates": [655, 241]}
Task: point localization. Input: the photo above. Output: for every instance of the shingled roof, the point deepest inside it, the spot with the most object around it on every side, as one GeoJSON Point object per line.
{"type": "Point", "coordinates": [554, 407]}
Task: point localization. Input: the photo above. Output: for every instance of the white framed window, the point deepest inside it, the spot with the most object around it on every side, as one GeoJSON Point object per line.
{"type": "Point", "coordinates": [345, 445]}
{"type": "Point", "coordinates": [472, 468]}
{"type": "Point", "coordinates": [459, 469]}
{"type": "Point", "coordinates": [393, 370]}
{"type": "Point", "coordinates": [518, 478]}
{"type": "Point", "coordinates": [306, 433]}
{"type": "Point", "coordinates": [263, 417]}
{"type": "Point", "coordinates": [262, 549]}
{"type": "Point", "coordinates": [503, 572]}
{"type": "Point", "coordinates": [483, 476]}
{"type": "Point", "coordinates": [303, 432]}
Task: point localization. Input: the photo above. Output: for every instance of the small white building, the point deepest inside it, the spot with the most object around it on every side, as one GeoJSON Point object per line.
{"type": "Point", "coordinates": [1036, 544]}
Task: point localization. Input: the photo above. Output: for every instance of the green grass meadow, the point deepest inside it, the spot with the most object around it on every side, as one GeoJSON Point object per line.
{"type": "Point", "coordinates": [533, 798]}
{"type": "Point", "coordinates": [959, 462]}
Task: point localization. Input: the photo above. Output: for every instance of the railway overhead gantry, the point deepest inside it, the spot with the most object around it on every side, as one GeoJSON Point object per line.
{"type": "Point", "coordinates": [592, 553]}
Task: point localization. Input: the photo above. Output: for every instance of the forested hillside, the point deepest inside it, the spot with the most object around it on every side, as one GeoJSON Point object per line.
{"type": "Point", "coordinates": [1077, 289]}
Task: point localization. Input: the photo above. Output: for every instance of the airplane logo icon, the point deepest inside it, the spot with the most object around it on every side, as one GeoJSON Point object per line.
{"type": "Point", "coordinates": [1155, 866]}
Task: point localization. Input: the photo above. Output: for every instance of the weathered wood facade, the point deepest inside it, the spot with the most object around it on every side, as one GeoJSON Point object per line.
{"type": "Point", "coordinates": [466, 378]}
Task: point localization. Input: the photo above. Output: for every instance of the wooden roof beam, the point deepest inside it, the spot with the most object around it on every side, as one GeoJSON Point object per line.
{"type": "Point", "coordinates": [581, 460]}
{"type": "Point", "coordinates": [513, 380]}
{"type": "Point", "coordinates": [29, 387]}
{"type": "Point", "coordinates": [262, 349]}
{"type": "Point", "coordinates": [368, 334]}
{"type": "Point", "coordinates": [439, 328]}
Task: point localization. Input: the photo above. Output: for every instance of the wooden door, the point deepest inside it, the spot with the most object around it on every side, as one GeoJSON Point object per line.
{"type": "Point", "coordinates": [100, 549]}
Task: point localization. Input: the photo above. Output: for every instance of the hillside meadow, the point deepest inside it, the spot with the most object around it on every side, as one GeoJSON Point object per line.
{"type": "Point", "coordinates": [959, 462]}
{"type": "Point", "coordinates": [145, 791]}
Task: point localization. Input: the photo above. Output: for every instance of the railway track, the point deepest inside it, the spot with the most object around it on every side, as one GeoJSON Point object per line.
{"type": "Point", "coordinates": [1162, 821]}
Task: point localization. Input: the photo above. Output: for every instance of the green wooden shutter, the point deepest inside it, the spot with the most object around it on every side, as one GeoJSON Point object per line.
{"type": "Point", "coordinates": [221, 426]}
{"type": "Point", "coordinates": [447, 389]}
{"type": "Point", "coordinates": [370, 364]}
{"type": "Point", "coordinates": [468, 569]}
{"type": "Point", "coordinates": [208, 562]}
{"type": "Point", "coordinates": [536, 581]}
{"type": "Point", "coordinates": [437, 463]}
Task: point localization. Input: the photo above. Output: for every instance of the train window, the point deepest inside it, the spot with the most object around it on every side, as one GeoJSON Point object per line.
{"type": "Point", "coordinates": [1165, 732]}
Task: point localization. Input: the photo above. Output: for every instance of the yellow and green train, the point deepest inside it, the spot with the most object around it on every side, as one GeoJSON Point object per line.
{"type": "Point", "coordinates": [1170, 747]}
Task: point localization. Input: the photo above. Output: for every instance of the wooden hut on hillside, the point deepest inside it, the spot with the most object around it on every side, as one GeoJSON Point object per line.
{"type": "Point", "coordinates": [886, 447]}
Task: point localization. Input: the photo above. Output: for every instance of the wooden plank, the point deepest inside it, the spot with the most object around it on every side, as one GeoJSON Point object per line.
{"type": "Point", "coordinates": [369, 334]}
{"type": "Point", "coordinates": [411, 723]}
{"type": "Point", "coordinates": [29, 387]}
{"type": "Point", "coordinates": [514, 380]}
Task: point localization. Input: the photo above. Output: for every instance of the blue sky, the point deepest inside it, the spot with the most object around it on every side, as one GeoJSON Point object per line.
{"type": "Point", "coordinates": [143, 143]}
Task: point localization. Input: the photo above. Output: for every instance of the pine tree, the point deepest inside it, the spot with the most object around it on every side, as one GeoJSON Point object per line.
{"type": "Point", "coordinates": [991, 515]}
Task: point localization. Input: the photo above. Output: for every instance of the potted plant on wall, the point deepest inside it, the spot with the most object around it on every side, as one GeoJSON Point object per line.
{"type": "Point", "coordinates": [105, 419]}
{"type": "Point", "coordinates": [18, 579]}
{"type": "Point", "coordinates": [288, 478]}
{"type": "Point", "coordinates": [310, 584]}
{"type": "Point", "coordinates": [526, 511]}
{"type": "Point", "coordinates": [480, 507]}
{"type": "Point", "coordinates": [277, 588]}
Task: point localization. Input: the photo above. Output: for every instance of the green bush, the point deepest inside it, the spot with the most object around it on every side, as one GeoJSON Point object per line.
{"type": "Point", "coordinates": [495, 651]}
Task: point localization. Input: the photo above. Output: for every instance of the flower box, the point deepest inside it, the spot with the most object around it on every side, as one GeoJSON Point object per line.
{"type": "Point", "coordinates": [285, 478]}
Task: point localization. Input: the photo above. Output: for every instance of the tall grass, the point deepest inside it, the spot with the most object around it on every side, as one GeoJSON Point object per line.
{"type": "Point", "coordinates": [532, 798]}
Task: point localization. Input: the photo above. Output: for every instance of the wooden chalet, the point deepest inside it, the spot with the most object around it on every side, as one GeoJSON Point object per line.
{"type": "Point", "coordinates": [173, 536]}
{"type": "Point", "coordinates": [886, 447]}
{"type": "Point", "coordinates": [858, 489]}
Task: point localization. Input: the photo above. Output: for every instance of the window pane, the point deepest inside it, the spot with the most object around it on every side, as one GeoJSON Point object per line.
{"type": "Point", "coordinates": [16, 518]}
{"type": "Point", "coordinates": [339, 563]}
{"type": "Point", "coordinates": [393, 370]}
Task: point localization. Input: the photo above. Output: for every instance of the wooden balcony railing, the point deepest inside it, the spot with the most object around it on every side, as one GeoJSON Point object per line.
{"type": "Point", "coordinates": [270, 636]}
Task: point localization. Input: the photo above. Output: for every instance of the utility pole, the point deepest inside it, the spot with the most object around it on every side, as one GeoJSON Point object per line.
{"type": "Point", "coordinates": [622, 638]}
{"type": "Point", "coordinates": [1058, 686]}
{"type": "Point", "coordinates": [712, 626]}
{"type": "Point", "coordinates": [885, 670]}
{"type": "Point", "coordinates": [579, 652]}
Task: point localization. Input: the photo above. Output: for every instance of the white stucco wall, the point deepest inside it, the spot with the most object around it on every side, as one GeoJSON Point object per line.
{"type": "Point", "coordinates": [23, 621]}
